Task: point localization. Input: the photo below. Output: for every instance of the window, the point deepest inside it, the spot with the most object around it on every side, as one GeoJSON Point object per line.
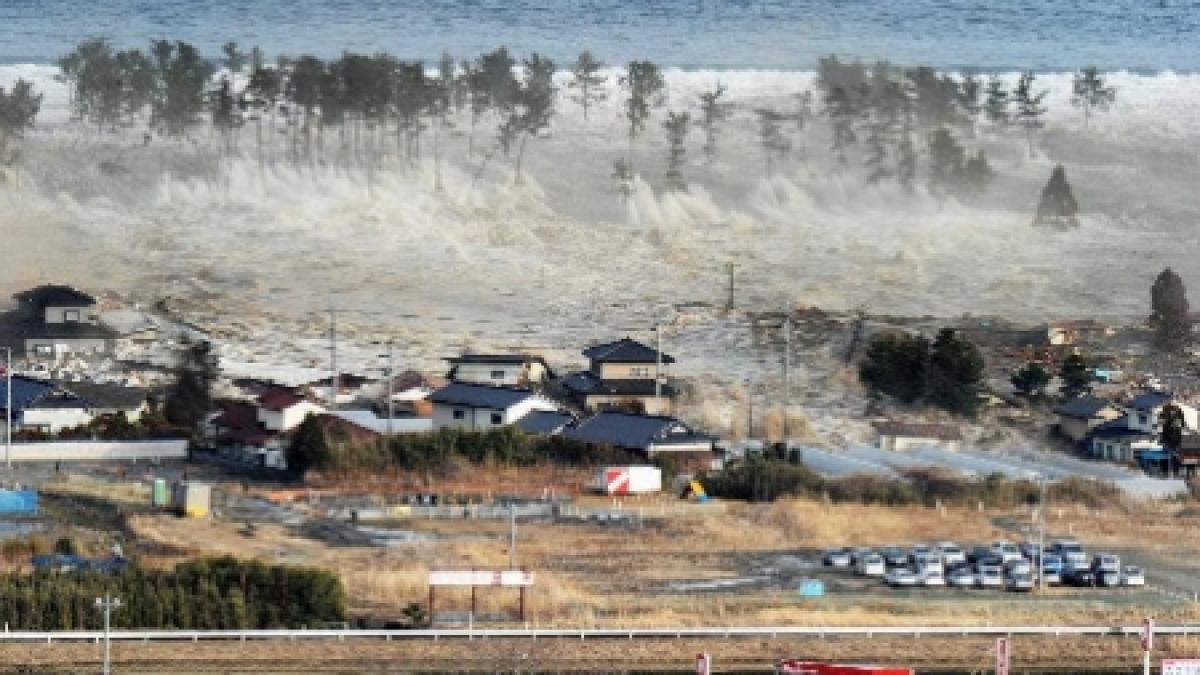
{"type": "Point", "coordinates": [1143, 419]}
{"type": "Point", "coordinates": [71, 315]}
{"type": "Point", "coordinates": [497, 374]}
{"type": "Point", "coordinates": [639, 372]}
{"type": "Point", "coordinates": [497, 418]}
{"type": "Point", "coordinates": [44, 350]}
{"type": "Point", "coordinates": [459, 414]}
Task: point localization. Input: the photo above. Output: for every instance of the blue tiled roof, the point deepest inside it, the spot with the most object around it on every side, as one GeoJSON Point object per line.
{"type": "Point", "coordinates": [633, 432]}
{"type": "Point", "coordinates": [479, 396]}
{"type": "Point", "coordinates": [1150, 400]}
{"type": "Point", "coordinates": [625, 350]}
{"type": "Point", "coordinates": [1083, 407]}
{"type": "Point", "coordinates": [544, 422]}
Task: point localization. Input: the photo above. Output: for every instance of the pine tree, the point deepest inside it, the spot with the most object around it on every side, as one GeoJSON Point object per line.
{"type": "Point", "coordinates": [996, 104]}
{"type": "Point", "coordinates": [875, 147]}
{"type": "Point", "coordinates": [1174, 426]}
{"type": "Point", "coordinates": [843, 112]}
{"type": "Point", "coordinates": [1057, 205]}
{"type": "Point", "coordinates": [712, 113]}
{"type": "Point", "coordinates": [19, 108]}
{"type": "Point", "coordinates": [1075, 377]}
{"type": "Point", "coordinates": [534, 103]}
{"type": "Point", "coordinates": [955, 374]}
{"type": "Point", "coordinates": [896, 364]}
{"type": "Point", "coordinates": [1029, 107]}
{"type": "Point", "coordinates": [676, 126]}
{"type": "Point", "coordinates": [1031, 380]}
{"type": "Point", "coordinates": [976, 175]}
{"type": "Point", "coordinates": [235, 59]}
{"type": "Point", "coordinates": [1090, 93]}
{"type": "Point", "coordinates": [1170, 313]}
{"type": "Point", "coordinates": [588, 82]}
{"type": "Point", "coordinates": [189, 400]}
{"type": "Point", "coordinates": [645, 84]}
{"type": "Point", "coordinates": [946, 159]}
{"type": "Point", "coordinates": [970, 94]}
{"type": "Point", "coordinates": [770, 135]}
{"type": "Point", "coordinates": [906, 161]}
{"type": "Point", "coordinates": [309, 448]}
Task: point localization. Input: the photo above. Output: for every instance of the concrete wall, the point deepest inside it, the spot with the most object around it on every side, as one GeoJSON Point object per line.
{"type": "Point", "coordinates": [97, 451]}
{"type": "Point", "coordinates": [288, 418]}
{"type": "Point", "coordinates": [511, 374]}
{"type": "Point", "coordinates": [652, 405]}
{"type": "Point", "coordinates": [901, 443]}
{"type": "Point", "coordinates": [627, 371]}
{"type": "Point", "coordinates": [53, 420]}
{"type": "Point", "coordinates": [78, 314]}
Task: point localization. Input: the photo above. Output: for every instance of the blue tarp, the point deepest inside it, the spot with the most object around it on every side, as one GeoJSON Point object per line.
{"type": "Point", "coordinates": [18, 501]}
{"type": "Point", "coordinates": [62, 562]}
{"type": "Point", "coordinates": [1152, 455]}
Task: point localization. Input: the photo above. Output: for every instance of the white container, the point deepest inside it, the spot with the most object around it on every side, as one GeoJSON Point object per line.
{"type": "Point", "coordinates": [628, 480]}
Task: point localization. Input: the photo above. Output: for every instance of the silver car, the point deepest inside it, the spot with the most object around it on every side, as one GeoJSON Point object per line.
{"type": "Point", "coordinates": [901, 576]}
{"type": "Point", "coordinates": [1133, 576]}
{"type": "Point", "coordinates": [1019, 582]}
{"type": "Point", "coordinates": [989, 577]}
{"type": "Point", "coordinates": [961, 578]}
{"type": "Point", "coordinates": [952, 553]}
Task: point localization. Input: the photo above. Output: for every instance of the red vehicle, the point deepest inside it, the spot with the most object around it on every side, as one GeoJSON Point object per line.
{"type": "Point", "coordinates": [798, 667]}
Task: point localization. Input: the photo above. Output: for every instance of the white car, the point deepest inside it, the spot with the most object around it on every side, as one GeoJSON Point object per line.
{"type": "Point", "coordinates": [836, 557]}
{"type": "Point", "coordinates": [961, 578]}
{"type": "Point", "coordinates": [933, 577]}
{"type": "Point", "coordinates": [901, 576]}
{"type": "Point", "coordinates": [989, 577]}
{"type": "Point", "coordinates": [1133, 576]}
{"type": "Point", "coordinates": [1019, 582]}
{"type": "Point", "coordinates": [929, 562]}
{"type": "Point", "coordinates": [952, 553]}
{"type": "Point", "coordinates": [1021, 566]}
{"type": "Point", "coordinates": [1007, 551]}
{"type": "Point", "coordinates": [872, 565]}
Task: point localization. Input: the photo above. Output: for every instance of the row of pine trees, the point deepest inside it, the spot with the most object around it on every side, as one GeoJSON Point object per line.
{"type": "Point", "coordinates": [360, 110]}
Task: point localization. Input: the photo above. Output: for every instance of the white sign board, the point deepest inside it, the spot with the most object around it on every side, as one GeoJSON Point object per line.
{"type": "Point", "coordinates": [1181, 667]}
{"type": "Point", "coordinates": [1148, 635]}
{"type": "Point", "coordinates": [481, 578]}
{"type": "Point", "coordinates": [1002, 656]}
{"type": "Point", "coordinates": [703, 664]}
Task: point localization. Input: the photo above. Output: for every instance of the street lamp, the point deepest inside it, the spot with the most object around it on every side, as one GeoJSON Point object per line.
{"type": "Point", "coordinates": [107, 604]}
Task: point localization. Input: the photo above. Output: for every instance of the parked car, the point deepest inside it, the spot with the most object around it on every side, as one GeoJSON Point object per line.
{"type": "Point", "coordinates": [978, 553]}
{"type": "Point", "coordinates": [901, 576]}
{"type": "Point", "coordinates": [929, 562]}
{"type": "Point", "coordinates": [836, 557]}
{"type": "Point", "coordinates": [952, 553]}
{"type": "Point", "coordinates": [1007, 550]}
{"type": "Point", "coordinates": [989, 577]}
{"type": "Point", "coordinates": [1030, 551]}
{"type": "Point", "coordinates": [1052, 568]}
{"type": "Point", "coordinates": [858, 553]}
{"type": "Point", "coordinates": [894, 556]}
{"type": "Point", "coordinates": [1080, 576]}
{"type": "Point", "coordinates": [933, 576]}
{"type": "Point", "coordinates": [1021, 566]}
{"type": "Point", "coordinates": [871, 565]}
{"type": "Point", "coordinates": [1019, 582]}
{"type": "Point", "coordinates": [919, 551]}
{"type": "Point", "coordinates": [1133, 576]}
{"type": "Point", "coordinates": [1072, 553]}
{"type": "Point", "coordinates": [989, 561]}
{"type": "Point", "coordinates": [962, 577]}
{"type": "Point", "coordinates": [1106, 562]}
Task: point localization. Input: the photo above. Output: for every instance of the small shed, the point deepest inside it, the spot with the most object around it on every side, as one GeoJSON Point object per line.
{"type": "Point", "coordinates": [894, 435]}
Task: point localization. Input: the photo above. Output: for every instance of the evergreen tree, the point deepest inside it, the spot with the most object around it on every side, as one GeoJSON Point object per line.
{"type": "Point", "coordinates": [534, 103]}
{"type": "Point", "coordinates": [843, 113]}
{"type": "Point", "coordinates": [19, 107]}
{"type": "Point", "coordinates": [1029, 107]}
{"type": "Point", "coordinates": [1173, 427]}
{"type": "Point", "coordinates": [588, 82]}
{"type": "Point", "coordinates": [936, 98]}
{"type": "Point", "coordinates": [946, 159]}
{"type": "Point", "coordinates": [234, 59]}
{"type": "Point", "coordinates": [222, 112]}
{"type": "Point", "coordinates": [712, 113]}
{"type": "Point", "coordinates": [955, 374]}
{"type": "Point", "coordinates": [906, 161]}
{"type": "Point", "coordinates": [1090, 92]}
{"type": "Point", "coordinates": [309, 448]}
{"type": "Point", "coordinates": [896, 364]}
{"type": "Point", "coordinates": [996, 104]}
{"type": "Point", "coordinates": [1075, 377]}
{"type": "Point", "coordinates": [1031, 380]}
{"type": "Point", "coordinates": [1057, 205]}
{"type": "Point", "coordinates": [676, 126]}
{"type": "Point", "coordinates": [190, 398]}
{"type": "Point", "coordinates": [623, 175]}
{"type": "Point", "coordinates": [1169, 312]}
{"type": "Point", "coordinates": [970, 94]}
{"type": "Point", "coordinates": [976, 175]}
{"type": "Point", "coordinates": [645, 84]}
{"type": "Point", "coordinates": [770, 135]}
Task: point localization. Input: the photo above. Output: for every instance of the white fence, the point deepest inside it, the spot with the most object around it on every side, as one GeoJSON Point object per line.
{"type": "Point", "coordinates": [97, 451]}
{"type": "Point", "coordinates": [588, 634]}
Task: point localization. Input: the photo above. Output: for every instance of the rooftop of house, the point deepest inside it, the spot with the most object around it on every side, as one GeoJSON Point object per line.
{"type": "Point", "coordinates": [1083, 407]}
{"type": "Point", "coordinates": [345, 381]}
{"type": "Point", "coordinates": [497, 359]}
{"type": "Point", "coordinates": [1118, 429]}
{"type": "Point", "coordinates": [279, 398]}
{"type": "Point", "coordinates": [55, 295]}
{"type": "Point", "coordinates": [28, 392]}
{"type": "Point", "coordinates": [81, 330]}
{"type": "Point", "coordinates": [544, 422]}
{"type": "Point", "coordinates": [586, 383]}
{"type": "Point", "coordinates": [368, 420]}
{"type": "Point", "coordinates": [1150, 400]}
{"type": "Point", "coordinates": [479, 396]}
{"type": "Point", "coordinates": [941, 432]}
{"type": "Point", "coordinates": [625, 350]}
{"type": "Point", "coordinates": [237, 416]}
{"type": "Point", "coordinates": [632, 431]}
{"type": "Point", "coordinates": [100, 395]}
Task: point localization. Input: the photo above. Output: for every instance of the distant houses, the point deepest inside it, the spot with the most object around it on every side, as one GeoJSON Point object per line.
{"type": "Point", "coordinates": [44, 407]}
{"type": "Point", "coordinates": [1079, 416]}
{"type": "Point", "coordinates": [500, 370]}
{"type": "Point", "coordinates": [652, 435]}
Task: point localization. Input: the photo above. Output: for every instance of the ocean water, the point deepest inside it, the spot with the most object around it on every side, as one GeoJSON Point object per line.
{"type": "Point", "coordinates": [1137, 35]}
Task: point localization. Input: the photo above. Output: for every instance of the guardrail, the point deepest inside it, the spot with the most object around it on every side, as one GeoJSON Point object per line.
{"type": "Point", "coordinates": [51, 637]}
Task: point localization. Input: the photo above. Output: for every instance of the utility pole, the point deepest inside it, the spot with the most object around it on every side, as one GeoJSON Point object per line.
{"type": "Point", "coordinates": [334, 381]}
{"type": "Point", "coordinates": [749, 410]}
{"type": "Point", "coordinates": [1041, 563]}
{"type": "Point", "coordinates": [512, 535]}
{"type": "Point", "coordinates": [787, 375]}
{"type": "Point", "coordinates": [107, 604]}
{"type": "Point", "coordinates": [389, 373]}
{"type": "Point", "coordinates": [729, 304]}
{"type": "Point", "coordinates": [657, 362]}
{"type": "Point", "coordinates": [8, 416]}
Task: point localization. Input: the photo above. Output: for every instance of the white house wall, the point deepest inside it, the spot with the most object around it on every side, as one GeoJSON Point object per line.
{"type": "Point", "coordinates": [54, 420]}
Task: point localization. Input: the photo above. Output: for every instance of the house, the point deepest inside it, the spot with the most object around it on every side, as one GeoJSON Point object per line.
{"type": "Point", "coordinates": [41, 407]}
{"type": "Point", "coordinates": [237, 429]}
{"type": "Point", "coordinates": [501, 370]}
{"type": "Point", "coordinates": [477, 407]}
{"type": "Point", "coordinates": [54, 320]}
{"type": "Point", "coordinates": [350, 388]}
{"type": "Point", "coordinates": [282, 409]}
{"type": "Point", "coordinates": [1077, 332]}
{"type": "Point", "coordinates": [1116, 441]}
{"type": "Point", "coordinates": [545, 423]}
{"type": "Point", "coordinates": [109, 399]}
{"type": "Point", "coordinates": [623, 374]}
{"type": "Point", "coordinates": [894, 435]}
{"type": "Point", "coordinates": [368, 420]}
{"type": "Point", "coordinates": [1142, 412]}
{"type": "Point", "coordinates": [1186, 459]}
{"type": "Point", "coordinates": [1079, 416]}
{"type": "Point", "coordinates": [651, 435]}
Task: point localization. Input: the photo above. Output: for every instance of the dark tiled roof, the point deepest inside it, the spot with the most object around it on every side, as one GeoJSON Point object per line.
{"type": "Point", "coordinates": [633, 432]}
{"type": "Point", "coordinates": [237, 416]}
{"type": "Point", "coordinates": [28, 392]}
{"type": "Point", "coordinates": [64, 331]}
{"type": "Point", "coordinates": [625, 350]}
{"type": "Point", "coordinates": [1083, 407]}
{"type": "Point", "coordinates": [1150, 400]}
{"type": "Point", "coordinates": [586, 383]}
{"type": "Point", "coordinates": [53, 295]}
{"type": "Point", "coordinates": [479, 396]}
{"type": "Point", "coordinates": [507, 359]}
{"type": "Point", "coordinates": [279, 399]}
{"type": "Point", "coordinates": [1117, 428]}
{"type": "Point", "coordinates": [100, 395]}
{"type": "Point", "coordinates": [544, 422]}
{"type": "Point", "coordinates": [944, 432]}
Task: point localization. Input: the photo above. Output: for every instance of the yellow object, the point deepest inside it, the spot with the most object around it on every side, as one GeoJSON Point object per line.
{"type": "Point", "coordinates": [697, 489]}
